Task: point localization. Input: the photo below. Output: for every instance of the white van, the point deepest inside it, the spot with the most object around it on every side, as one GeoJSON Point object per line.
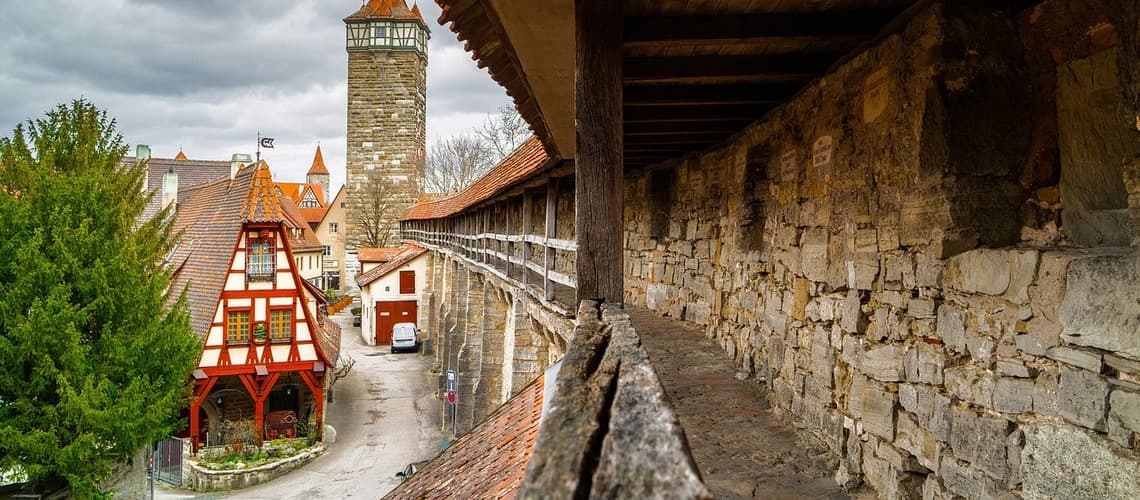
{"type": "Point", "coordinates": [404, 337]}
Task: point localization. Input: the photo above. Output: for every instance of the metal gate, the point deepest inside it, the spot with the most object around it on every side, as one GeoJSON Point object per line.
{"type": "Point", "coordinates": [168, 461]}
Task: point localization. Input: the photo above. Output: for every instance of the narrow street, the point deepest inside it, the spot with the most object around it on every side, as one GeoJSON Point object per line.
{"type": "Point", "coordinates": [385, 417]}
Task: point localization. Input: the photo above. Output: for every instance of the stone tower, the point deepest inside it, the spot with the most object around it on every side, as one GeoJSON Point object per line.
{"type": "Point", "coordinates": [319, 174]}
{"type": "Point", "coordinates": [387, 115]}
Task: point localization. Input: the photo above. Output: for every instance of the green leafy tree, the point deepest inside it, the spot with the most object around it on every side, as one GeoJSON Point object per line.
{"type": "Point", "coordinates": [93, 363]}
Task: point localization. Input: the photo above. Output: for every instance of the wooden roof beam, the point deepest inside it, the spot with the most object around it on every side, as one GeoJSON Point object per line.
{"type": "Point", "coordinates": [768, 67]}
{"type": "Point", "coordinates": [705, 95]}
{"type": "Point", "coordinates": [702, 113]}
{"type": "Point", "coordinates": [719, 29]}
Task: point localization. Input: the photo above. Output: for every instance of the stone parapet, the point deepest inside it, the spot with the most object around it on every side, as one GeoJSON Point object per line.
{"type": "Point", "coordinates": [609, 431]}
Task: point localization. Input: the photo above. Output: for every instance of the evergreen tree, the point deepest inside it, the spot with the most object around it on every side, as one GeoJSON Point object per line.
{"type": "Point", "coordinates": [93, 364]}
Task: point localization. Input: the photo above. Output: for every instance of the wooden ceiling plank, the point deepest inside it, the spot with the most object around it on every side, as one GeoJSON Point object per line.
{"type": "Point", "coordinates": [701, 95]}
{"type": "Point", "coordinates": [738, 28]}
{"type": "Point", "coordinates": [771, 66]}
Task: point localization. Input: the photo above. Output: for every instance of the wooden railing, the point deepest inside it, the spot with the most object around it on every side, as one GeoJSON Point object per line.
{"type": "Point", "coordinates": [475, 252]}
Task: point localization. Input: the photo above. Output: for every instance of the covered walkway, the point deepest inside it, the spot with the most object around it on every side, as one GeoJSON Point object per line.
{"type": "Point", "coordinates": [742, 450]}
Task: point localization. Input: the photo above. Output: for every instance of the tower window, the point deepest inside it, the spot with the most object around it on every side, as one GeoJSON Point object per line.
{"type": "Point", "coordinates": [333, 228]}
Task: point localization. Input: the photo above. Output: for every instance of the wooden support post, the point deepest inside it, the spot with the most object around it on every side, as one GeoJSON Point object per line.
{"type": "Point", "coordinates": [598, 163]}
{"type": "Point", "coordinates": [199, 397]}
{"type": "Point", "coordinates": [551, 232]}
{"type": "Point", "coordinates": [527, 228]}
{"type": "Point", "coordinates": [507, 232]}
{"type": "Point", "coordinates": [486, 230]}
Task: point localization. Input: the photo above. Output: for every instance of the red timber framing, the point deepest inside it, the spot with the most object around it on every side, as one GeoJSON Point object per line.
{"type": "Point", "coordinates": [259, 373]}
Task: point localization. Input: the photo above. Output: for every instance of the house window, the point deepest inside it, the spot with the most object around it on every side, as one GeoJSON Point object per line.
{"type": "Point", "coordinates": [407, 282]}
{"type": "Point", "coordinates": [327, 251]}
{"type": "Point", "coordinates": [237, 326]}
{"type": "Point", "coordinates": [281, 325]}
{"type": "Point", "coordinates": [260, 265]}
{"type": "Point", "coordinates": [333, 228]}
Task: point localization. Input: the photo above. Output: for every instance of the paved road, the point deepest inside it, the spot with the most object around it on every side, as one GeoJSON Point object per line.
{"type": "Point", "coordinates": [385, 417]}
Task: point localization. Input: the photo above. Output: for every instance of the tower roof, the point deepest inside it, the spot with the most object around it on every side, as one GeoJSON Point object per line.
{"type": "Point", "coordinates": [387, 9]}
{"type": "Point", "coordinates": [181, 155]}
{"type": "Point", "coordinates": [318, 167]}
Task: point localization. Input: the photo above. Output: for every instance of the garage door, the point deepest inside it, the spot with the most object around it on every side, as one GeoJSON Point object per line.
{"type": "Point", "coordinates": [390, 313]}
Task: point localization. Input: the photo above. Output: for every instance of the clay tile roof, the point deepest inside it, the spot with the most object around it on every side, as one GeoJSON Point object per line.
{"type": "Point", "coordinates": [384, 254]}
{"type": "Point", "coordinates": [487, 462]}
{"type": "Point", "coordinates": [527, 160]}
{"type": "Point", "coordinates": [295, 220]}
{"type": "Point", "coordinates": [404, 255]}
{"type": "Point", "coordinates": [387, 9]}
{"type": "Point", "coordinates": [190, 173]}
{"type": "Point", "coordinates": [208, 218]}
{"type": "Point", "coordinates": [181, 155]}
{"type": "Point", "coordinates": [261, 203]}
{"type": "Point", "coordinates": [318, 167]}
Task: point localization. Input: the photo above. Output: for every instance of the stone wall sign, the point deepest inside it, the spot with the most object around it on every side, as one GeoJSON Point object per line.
{"type": "Point", "coordinates": [821, 151]}
{"type": "Point", "coordinates": [876, 95]}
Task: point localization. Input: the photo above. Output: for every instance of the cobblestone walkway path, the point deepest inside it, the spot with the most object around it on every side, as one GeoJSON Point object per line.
{"type": "Point", "coordinates": [742, 450]}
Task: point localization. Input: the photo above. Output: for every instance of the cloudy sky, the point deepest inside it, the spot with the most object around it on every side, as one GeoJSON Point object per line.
{"type": "Point", "coordinates": [206, 75]}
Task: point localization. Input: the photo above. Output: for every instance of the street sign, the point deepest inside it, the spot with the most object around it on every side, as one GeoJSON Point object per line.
{"type": "Point", "coordinates": [452, 397]}
{"type": "Point", "coordinates": [451, 383]}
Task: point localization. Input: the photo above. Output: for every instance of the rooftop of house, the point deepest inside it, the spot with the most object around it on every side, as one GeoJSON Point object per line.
{"type": "Point", "coordinates": [527, 160]}
{"type": "Point", "coordinates": [489, 461]}
{"type": "Point", "coordinates": [399, 256]}
{"type": "Point", "coordinates": [190, 173]}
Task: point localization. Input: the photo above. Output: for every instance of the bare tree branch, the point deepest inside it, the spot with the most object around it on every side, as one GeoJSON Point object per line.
{"type": "Point", "coordinates": [502, 133]}
{"type": "Point", "coordinates": [457, 161]}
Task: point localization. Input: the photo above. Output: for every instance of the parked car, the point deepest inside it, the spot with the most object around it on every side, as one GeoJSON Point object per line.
{"type": "Point", "coordinates": [356, 320]}
{"type": "Point", "coordinates": [405, 337]}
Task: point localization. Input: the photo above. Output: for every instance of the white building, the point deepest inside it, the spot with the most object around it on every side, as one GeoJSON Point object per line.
{"type": "Point", "coordinates": [390, 292]}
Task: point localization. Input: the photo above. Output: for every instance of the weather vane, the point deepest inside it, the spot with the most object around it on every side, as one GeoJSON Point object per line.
{"type": "Point", "coordinates": [263, 142]}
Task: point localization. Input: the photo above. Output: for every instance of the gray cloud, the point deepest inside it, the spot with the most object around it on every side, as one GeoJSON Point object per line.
{"type": "Point", "coordinates": [206, 75]}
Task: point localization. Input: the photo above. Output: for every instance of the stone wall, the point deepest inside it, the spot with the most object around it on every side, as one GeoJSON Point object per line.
{"type": "Point", "coordinates": [494, 336]}
{"type": "Point", "coordinates": [197, 478]}
{"type": "Point", "coordinates": [387, 92]}
{"type": "Point", "coordinates": [887, 253]}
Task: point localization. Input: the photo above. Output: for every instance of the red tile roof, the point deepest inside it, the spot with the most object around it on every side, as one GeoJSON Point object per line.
{"type": "Point", "coordinates": [404, 255]}
{"type": "Point", "coordinates": [487, 462]}
{"type": "Point", "coordinates": [296, 192]}
{"type": "Point", "coordinates": [527, 160]}
{"type": "Point", "coordinates": [318, 167]}
{"type": "Point", "coordinates": [301, 235]}
{"type": "Point", "coordinates": [381, 255]}
{"type": "Point", "coordinates": [387, 9]}
{"type": "Point", "coordinates": [261, 202]}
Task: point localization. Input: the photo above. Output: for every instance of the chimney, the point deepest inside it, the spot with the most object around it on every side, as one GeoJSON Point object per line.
{"type": "Point", "coordinates": [236, 161]}
{"type": "Point", "coordinates": [142, 154]}
{"type": "Point", "coordinates": [169, 188]}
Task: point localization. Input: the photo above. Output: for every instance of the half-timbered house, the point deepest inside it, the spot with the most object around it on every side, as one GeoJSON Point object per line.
{"type": "Point", "coordinates": [266, 347]}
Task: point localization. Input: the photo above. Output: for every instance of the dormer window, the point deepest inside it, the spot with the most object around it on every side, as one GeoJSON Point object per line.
{"type": "Point", "coordinates": [260, 257]}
